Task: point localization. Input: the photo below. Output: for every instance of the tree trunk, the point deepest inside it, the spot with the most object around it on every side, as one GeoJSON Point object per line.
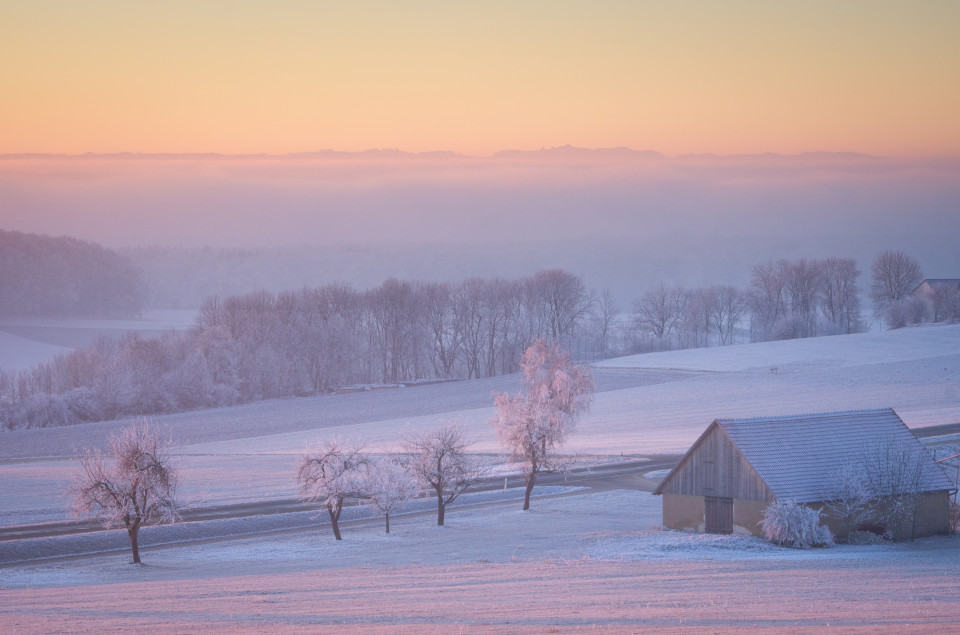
{"type": "Point", "coordinates": [387, 516]}
{"type": "Point", "coordinates": [441, 509]}
{"type": "Point", "coordinates": [334, 517]}
{"type": "Point", "coordinates": [526, 495]}
{"type": "Point", "coordinates": [133, 532]}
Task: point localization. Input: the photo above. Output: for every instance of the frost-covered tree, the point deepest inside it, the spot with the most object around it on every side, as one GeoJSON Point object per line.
{"type": "Point", "coordinates": [767, 298]}
{"type": "Point", "coordinates": [909, 310]}
{"type": "Point", "coordinates": [603, 315]}
{"type": "Point", "coordinates": [439, 461]}
{"type": "Point", "coordinates": [896, 475]}
{"type": "Point", "coordinates": [135, 486]}
{"type": "Point", "coordinates": [727, 309]}
{"type": "Point", "coordinates": [331, 474]}
{"type": "Point", "coordinates": [841, 297]}
{"type": "Point", "coordinates": [895, 276]}
{"type": "Point", "coordinates": [535, 422]}
{"type": "Point", "coordinates": [388, 486]}
{"type": "Point", "coordinates": [790, 524]}
{"type": "Point", "coordinates": [659, 311]}
{"type": "Point", "coordinates": [560, 302]}
{"type": "Point", "coordinates": [848, 498]}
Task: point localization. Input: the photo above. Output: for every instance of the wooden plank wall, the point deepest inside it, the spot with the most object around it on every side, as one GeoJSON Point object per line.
{"type": "Point", "coordinates": [717, 468]}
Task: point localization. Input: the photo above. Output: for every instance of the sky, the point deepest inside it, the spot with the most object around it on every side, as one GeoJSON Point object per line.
{"type": "Point", "coordinates": [760, 129]}
{"type": "Point", "coordinates": [249, 76]}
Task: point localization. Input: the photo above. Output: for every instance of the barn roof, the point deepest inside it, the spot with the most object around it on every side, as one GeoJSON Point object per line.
{"type": "Point", "coordinates": [797, 456]}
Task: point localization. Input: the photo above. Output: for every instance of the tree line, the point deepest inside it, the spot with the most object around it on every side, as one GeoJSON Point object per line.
{"type": "Point", "coordinates": [65, 277]}
{"type": "Point", "coordinates": [785, 300]}
{"type": "Point", "coordinates": [262, 345]}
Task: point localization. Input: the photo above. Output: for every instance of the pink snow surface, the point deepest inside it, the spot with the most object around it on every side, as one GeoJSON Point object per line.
{"type": "Point", "coordinates": [574, 563]}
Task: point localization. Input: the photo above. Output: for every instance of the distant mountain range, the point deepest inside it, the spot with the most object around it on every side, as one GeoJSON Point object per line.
{"type": "Point", "coordinates": [563, 153]}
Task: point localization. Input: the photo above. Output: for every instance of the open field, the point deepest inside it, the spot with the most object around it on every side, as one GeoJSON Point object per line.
{"type": "Point", "coordinates": [576, 562]}
{"type": "Point", "coordinates": [25, 342]}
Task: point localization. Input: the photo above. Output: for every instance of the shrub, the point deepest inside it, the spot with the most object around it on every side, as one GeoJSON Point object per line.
{"type": "Point", "coordinates": [793, 525]}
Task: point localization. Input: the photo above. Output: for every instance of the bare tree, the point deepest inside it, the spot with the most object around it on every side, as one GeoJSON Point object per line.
{"type": "Point", "coordinates": [658, 311]}
{"type": "Point", "coordinates": [693, 327]}
{"type": "Point", "coordinates": [331, 474]}
{"type": "Point", "coordinates": [438, 459]}
{"type": "Point", "coordinates": [535, 422]}
{"type": "Point", "coordinates": [603, 315]}
{"type": "Point", "coordinates": [897, 475]}
{"type": "Point", "coordinates": [895, 276]}
{"type": "Point", "coordinates": [767, 297]}
{"type": "Point", "coordinates": [728, 309]}
{"type": "Point", "coordinates": [804, 283]}
{"type": "Point", "coordinates": [849, 498]}
{"type": "Point", "coordinates": [439, 313]}
{"type": "Point", "coordinates": [137, 487]}
{"type": "Point", "coordinates": [388, 485]}
{"type": "Point", "coordinates": [841, 297]}
{"type": "Point", "coordinates": [561, 300]}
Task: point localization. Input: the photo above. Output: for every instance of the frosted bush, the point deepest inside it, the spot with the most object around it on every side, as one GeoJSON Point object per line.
{"type": "Point", "coordinates": [793, 525]}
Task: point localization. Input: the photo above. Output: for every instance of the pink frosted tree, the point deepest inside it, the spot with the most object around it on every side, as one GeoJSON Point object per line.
{"type": "Point", "coordinates": [535, 422]}
{"type": "Point", "coordinates": [331, 474]}
{"type": "Point", "coordinates": [136, 488]}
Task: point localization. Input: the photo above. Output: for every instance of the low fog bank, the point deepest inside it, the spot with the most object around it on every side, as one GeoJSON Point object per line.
{"type": "Point", "coordinates": [621, 219]}
{"type": "Point", "coordinates": [177, 277]}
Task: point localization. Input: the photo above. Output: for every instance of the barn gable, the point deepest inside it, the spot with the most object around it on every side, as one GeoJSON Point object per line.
{"type": "Point", "coordinates": [714, 466]}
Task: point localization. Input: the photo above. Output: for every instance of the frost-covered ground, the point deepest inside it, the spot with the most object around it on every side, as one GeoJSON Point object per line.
{"type": "Point", "coordinates": [576, 562]}
{"type": "Point", "coordinates": [580, 562]}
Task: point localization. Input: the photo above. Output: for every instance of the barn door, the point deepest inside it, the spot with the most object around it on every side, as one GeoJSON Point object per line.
{"type": "Point", "coordinates": [718, 515]}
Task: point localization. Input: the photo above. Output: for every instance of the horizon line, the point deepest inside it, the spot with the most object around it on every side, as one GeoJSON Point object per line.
{"type": "Point", "coordinates": [563, 151]}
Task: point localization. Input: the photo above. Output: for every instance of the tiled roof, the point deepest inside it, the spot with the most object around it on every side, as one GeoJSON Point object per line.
{"type": "Point", "coordinates": [797, 456]}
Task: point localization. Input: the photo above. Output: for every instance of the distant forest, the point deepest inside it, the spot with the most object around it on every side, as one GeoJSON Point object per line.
{"type": "Point", "coordinates": [43, 276]}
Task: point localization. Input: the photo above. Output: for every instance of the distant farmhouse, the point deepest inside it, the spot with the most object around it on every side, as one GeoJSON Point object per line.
{"type": "Point", "coordinates": [739, 466]}
{"type": "Point", "coordinates": [942, 297]}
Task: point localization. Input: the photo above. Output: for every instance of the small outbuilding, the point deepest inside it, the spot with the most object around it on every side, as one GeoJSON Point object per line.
{"type": "Point", "coordinates": [942, 297]}
{"type": "Point", "coordinates": [739, 466]}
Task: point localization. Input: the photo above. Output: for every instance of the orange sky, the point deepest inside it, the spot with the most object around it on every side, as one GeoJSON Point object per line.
{"type": "Point", "coordinates": [246, 76]}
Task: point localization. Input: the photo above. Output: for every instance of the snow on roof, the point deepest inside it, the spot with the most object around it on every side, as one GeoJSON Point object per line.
{"type": "Point", "coordinates": [798, 455]}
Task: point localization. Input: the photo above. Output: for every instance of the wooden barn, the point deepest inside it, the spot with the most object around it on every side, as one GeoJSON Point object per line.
{"type": "Point", "coordinates": [738, 466]}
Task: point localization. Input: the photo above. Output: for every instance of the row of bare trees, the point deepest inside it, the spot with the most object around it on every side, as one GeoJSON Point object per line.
{"type": "Point", "coordinates": [804, 298]}
{"type": "Point", "coordinates": [785, 300]}
{"type": "Point", "coordinates": [262, 345]}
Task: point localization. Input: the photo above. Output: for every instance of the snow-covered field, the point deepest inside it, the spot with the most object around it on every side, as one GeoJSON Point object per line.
{"type": "Point", "coordinates": [24, 342]}
{"type": "Point", "coordinates": [581, 562]}
{"type": "Point", "coordinates": [576, 561]}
